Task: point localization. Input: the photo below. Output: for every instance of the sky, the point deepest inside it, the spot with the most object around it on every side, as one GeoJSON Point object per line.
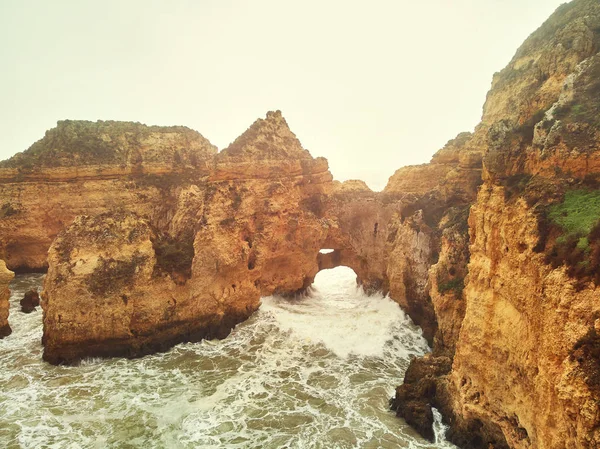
{"type": "Point", "coordinates": [372, 86]}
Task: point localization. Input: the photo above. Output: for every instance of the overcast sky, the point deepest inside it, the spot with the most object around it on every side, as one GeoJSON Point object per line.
{"type": "Point", "coordinates": [370, 85]}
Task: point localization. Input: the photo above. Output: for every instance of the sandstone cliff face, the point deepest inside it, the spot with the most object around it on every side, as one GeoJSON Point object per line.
{"type": "Point", "coordinates": [525, 362]}
{"type": "Point", "coordinates": [253, 226]}
{"type": "Point", "coordinates": [517, 362]}
{"type": "Point", "coordinates": [525, 367]}
{"type": "Point", "coordinates": [91, 168]}
{"type": "Point", "coordinates": [78, 143]}
{"type": "Point", "coordinates": [107, 294]}
{"type": "Point", "coordinates": [5, 277]}
{"type": "Point", "coordinates": [429, 248]}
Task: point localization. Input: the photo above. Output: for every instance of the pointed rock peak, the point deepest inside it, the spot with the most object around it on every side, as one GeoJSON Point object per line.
{"type": "Point", "coordinates": [269, 138]}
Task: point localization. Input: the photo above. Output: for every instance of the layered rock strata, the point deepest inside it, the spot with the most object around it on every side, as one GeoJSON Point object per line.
{"type": "Point", "coordinates": [91, 168]}
{"type": "Point", "coordinates": [525, 359]}
{"type": "Point", "coordinates": [502, 276]}
{"type": "Point", "coordinates": [252, 227]}
{"type": "Point", "coordinates": [223, 230]}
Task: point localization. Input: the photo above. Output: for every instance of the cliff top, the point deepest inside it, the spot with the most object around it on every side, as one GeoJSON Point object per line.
{"type": "Point", "coordinates": [269, 138]}
{"type": "Point", "coordinates": [80, 142]}
{"type": "Point", "coordinates": [533, 78]}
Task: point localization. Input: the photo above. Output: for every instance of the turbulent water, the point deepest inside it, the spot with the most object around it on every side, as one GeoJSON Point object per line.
{"type": "Point", "coordinates": [313, 372]}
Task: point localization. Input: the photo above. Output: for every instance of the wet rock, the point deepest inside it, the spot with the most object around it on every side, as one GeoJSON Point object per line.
{"type": "Point", "coordinates": [415, 398]}
{"type": "Point", "coordinates": [5, 277]}
{"type": "Point", "coordinates": [30, 301]}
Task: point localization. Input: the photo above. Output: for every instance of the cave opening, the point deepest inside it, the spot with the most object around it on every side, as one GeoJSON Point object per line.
{"type": "Point", "coordinates": [337, 281]}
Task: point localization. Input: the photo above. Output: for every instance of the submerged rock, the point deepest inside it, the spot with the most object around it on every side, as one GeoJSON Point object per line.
{"type": "Point", "coordinates": [415, 398]}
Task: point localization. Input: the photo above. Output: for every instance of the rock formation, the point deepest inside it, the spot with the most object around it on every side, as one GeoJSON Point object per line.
{"type": "Point", "coordinates": [493, 248]}
{"type": "Point", "coordinates": [219, 232]}
{"type": "Point", "coordinates": [5, 277]}
{"type": "Point", "coordinates": [30, 301]}
{"type": "Point", "coordinates": [252, 226]}
{"type": "Point", "coordinates": [91, 168]}
{"type": "Point", "coordinates": [525, 367]}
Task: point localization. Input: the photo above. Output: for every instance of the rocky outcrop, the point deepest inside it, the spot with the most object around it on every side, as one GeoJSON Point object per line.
{"type": "Point", "coordinates": [223, 229]}
{"type": "Point", "coordinates": [253, 227]}
{"type": "Point", "coordinates": [525, 361]}
{"type": "Point", "coordinates": [5, 277]}
{"type": "Point", "coordinates": [30, 301]}
{"type": "Point", "coordinates": [524, 371]}
{"type": "Point", "coordinates": [508, 297]}
{"type": "Point", "coordinates": [90, 168]}
{"type": "Point", "coordinates": [523, 326]}
{"type": "Point", "coordinates": [414, 399]}
{"type": "Point", "coordinates": [106, 293]}
{"type": "Point", "coordinates": [430, 230]}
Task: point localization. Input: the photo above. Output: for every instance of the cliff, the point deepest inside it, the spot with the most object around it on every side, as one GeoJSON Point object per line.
{"type": "Point", "coordinates": [224, 229]}
{"type": "Point", "coordinates": [5, 277]}
{"type": "Point", "coordinates": [524, 371]}
{"type": "Point", "coordinates": [90, 168]}
{"type": "Point", "coordinates": [253, 226]}
{"type": "Point", "coordinates": [493, 247]}
{"type": "Point", "coordinates": [79, 143]}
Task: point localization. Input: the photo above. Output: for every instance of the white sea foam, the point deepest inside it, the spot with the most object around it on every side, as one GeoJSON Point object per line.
{"type": "Point", "coordinates": [315, 372]}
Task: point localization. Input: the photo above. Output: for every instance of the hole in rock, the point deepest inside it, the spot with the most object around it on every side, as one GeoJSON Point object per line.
{"type": "Point", "coordinates": [252, 261]}
{"type": "Point", "coordinates": [327, 259]}
{"type": "Point", "coordinates": [338, 280]}
{"type": "Point", "coordinates": [336, 313]}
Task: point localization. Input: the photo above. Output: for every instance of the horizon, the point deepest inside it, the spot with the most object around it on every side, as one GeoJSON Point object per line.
{"type": "Point", "coordinates": [348, 96]}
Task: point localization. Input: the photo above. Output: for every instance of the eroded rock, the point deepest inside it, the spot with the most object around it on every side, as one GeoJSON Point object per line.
{"type": "Point", "coordinates": [513, 309]}
{"type": "Point", "coordinates": [30, 301]}
{"type": "Point", "coordinates": [5, 277]}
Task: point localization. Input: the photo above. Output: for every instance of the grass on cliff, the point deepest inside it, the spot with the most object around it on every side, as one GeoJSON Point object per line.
{"type": "Point", "coordinates": [578, 213]}
{"type": "Point", "coordinates": [577, 245]}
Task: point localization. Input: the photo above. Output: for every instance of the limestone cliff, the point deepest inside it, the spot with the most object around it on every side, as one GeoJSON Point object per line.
{"type": "Point", "coordinates": [525, 365]}
{"type": "Point", "coordinates": [91, 168]}
{"type": "Point", "coordinates": [252, 227]}
{"type": "Point", "coordinates": [264, 198]}
{"type": "Point", "coordinates": [430, 233]}
{"type": "Point", "coordinates": [497, 262]}
{"type": "Point", "coordinates": [5, 277]}
{"type": "Point", "coordinates": [107, 294]}
{"type": "Point", "coordinates": [251, 223]}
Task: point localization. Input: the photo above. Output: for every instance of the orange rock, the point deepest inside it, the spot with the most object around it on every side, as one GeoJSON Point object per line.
{"type": "Point", "coordinates": [5, 277]}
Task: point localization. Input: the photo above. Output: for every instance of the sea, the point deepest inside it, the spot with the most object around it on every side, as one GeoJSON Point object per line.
{"type": "Point", "coordinates": [314, 371]}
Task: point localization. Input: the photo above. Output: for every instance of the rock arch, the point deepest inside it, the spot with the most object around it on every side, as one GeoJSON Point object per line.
{"type": "Point", "coordinates": [249, 220]}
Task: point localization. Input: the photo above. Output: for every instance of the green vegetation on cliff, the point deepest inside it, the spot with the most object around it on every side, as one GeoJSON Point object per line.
{"type": "Point", "coordinates": [578, 245]}
{"type": "Point", "coordinates": [578, 213]}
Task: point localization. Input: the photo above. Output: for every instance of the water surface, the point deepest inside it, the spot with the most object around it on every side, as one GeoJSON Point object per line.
{"type": "Point", "coordinates": [313, 372]}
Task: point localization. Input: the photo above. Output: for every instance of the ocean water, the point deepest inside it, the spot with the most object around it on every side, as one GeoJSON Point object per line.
{"type": "Point", "coordinates": [310, 372]}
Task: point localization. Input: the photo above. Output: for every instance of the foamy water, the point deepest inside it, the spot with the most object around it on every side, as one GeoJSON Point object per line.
{"type": "Point", "coordinates": [313, 372]}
